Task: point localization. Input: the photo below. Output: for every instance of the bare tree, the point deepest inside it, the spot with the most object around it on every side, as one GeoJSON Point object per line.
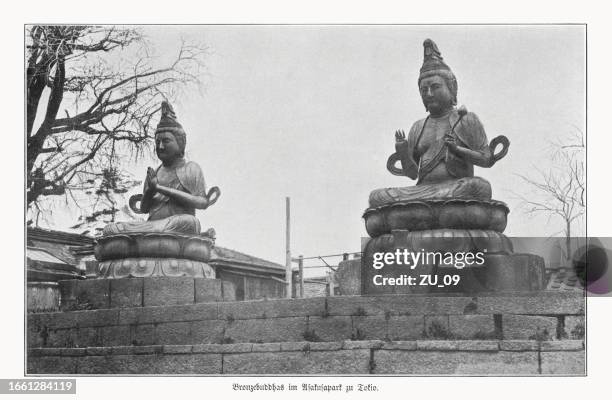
{"type": "Point", "coordinates": [88, 104]}
{"type": "Point", "coordinates": [562, 189]}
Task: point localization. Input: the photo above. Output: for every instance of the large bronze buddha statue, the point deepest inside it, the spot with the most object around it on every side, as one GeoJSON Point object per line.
{"type": "Point", "coordinates": [441, 149]}
{"type": "Point", "coordinates": [440, 152]}
{"type": "Point", "coordinates": [448, 210]}
{"type": "Point", "coordinates": [169, 243]}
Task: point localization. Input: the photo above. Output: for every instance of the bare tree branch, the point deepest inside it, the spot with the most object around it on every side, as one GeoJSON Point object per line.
{"type": "Point", "coordinates": [95, 106]}
{"type": "Point", "coordinates": [560, 191]}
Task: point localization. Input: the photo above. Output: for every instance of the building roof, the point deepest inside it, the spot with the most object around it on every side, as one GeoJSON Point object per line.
{"type": "Point", "coordinates": [68, 247]}
{"type": "Point", "coordinates": [222, 256]}
{"type": "Point", "coordinates": [42, 265]}
{"type": "Point", "coordinates": [62, 237]}
{"type": "Point", "coordinates": [42, 255]}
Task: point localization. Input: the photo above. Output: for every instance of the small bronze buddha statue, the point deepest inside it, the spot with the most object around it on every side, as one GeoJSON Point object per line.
{"type": "Point", "coordinates": [170, 242]}
{"type": "Point", "coordinates": [174, 190]}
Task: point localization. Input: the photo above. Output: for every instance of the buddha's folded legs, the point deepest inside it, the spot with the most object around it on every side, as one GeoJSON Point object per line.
{"type": "Point", "coordinates": [181, 223]}
{"type": "Point", "coordinates": [465, 188]}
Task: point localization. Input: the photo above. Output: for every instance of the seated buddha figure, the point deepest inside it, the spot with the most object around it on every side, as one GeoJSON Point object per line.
{"type": "Point", "coordinates": [174, 190]}
{"type": "Point", "coordinates": [441, 149]}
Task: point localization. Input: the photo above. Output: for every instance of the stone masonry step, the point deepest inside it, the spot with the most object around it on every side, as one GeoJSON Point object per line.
{"type": "Point", "coordinates": [361, 357]}
{"type": "Point", "coordinates": [390, 317]}
{"type": "Point", "coordinates": [142, 292]}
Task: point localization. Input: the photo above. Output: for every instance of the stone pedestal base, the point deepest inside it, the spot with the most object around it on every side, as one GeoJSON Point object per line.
{"type": "Point", "coordinates": [499, 270]}
{"type": "Point", "coordinates": [155, 267]}
{"type": "Point", "coordinates": [436, 214]}
{"type": "Point", "coordinates": [91, 294]}
{"type": "Point", "coordinates": [157, 254]}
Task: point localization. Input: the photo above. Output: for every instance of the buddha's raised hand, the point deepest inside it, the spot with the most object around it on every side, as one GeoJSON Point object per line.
{"type": "Point", "coordinates": [400, 140]}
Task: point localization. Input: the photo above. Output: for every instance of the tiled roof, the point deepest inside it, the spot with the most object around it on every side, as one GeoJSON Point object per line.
{"type": "Point", "coordinates": [48, 235]}
{"type": "Point", "coordinates": [223, 255]}
{"type": "Point", "coordinates": [37, 254]}
{"type": "Point", "coordinates": [62, 245]}
{"type": "Point", "coordinates": [42, 265]}
{"type": "Point", "coordinates": [59, 250]}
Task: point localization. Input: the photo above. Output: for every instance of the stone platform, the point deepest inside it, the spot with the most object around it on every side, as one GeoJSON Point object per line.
{"type": "Point", "coordinates": [154, 254]}
{"type": "Point", "coordinates": [427, 357]}
{"type": "Point", "coordinates": [492, 334]}
{"type": "Point", "coordinates": [103, 293]}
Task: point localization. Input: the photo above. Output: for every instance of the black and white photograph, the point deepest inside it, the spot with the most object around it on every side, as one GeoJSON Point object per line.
{"type": "Point", "coordinates": [304, 208]}
{"type": "Point", "coordinates": [170, 166]}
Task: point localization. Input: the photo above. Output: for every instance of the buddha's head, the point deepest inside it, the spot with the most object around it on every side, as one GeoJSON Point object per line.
{"type": "Point", "coordinates": [170, 138]}
{"type": "Point", "coordinates": [437, 83]}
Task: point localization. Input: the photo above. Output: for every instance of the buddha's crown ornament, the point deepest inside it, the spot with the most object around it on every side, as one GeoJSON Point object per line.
{"type": "Point", "coordinates": [169, 123]}
{"type": "Point", "coordinates": [433, 63]}
{"type": "Point", "coordinates": [168, 117]}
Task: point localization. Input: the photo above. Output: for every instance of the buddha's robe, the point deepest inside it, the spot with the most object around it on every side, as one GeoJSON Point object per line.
{"type": "Point", "coordinates": [440, 174]}
{"type": "Point", "coordinates": [165, 213]}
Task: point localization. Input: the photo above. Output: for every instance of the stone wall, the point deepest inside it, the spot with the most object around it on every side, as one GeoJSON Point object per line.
{"type": "Point", "coordinates": [485, 357]}
{"type": "Point", "coordinates": [511, 334]}
{"type": "Point", "coordinates": [313, 288]}
{"type": "Point", "coordinates": [90, 294]}
{"type": "Point", "coordinates": [253, 287]}
{"type": "Point", "coordinates": [316, 289]}
{"type": "Point", "coordinates": [550, 317]}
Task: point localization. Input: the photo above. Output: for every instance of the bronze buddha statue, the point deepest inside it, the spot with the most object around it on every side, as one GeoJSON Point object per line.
{"type": "Point", "coordinates": [441, 149]}
{"type": "Point", "coordinates": [174, 190]}
{"type": "Point", "coordinates": [449, 210]}
{"type": "Point", "coordinates": [170, 242]}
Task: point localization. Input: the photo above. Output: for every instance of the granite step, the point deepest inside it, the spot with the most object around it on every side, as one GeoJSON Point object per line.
{"type": "Point", "coordinates": [327, 319]}
{"type": "Point", "coordinates": [93, 294]}
{"type": "Point", "coordinates": [359, 357]}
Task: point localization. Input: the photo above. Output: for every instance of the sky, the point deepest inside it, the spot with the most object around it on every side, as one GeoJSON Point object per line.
{"type": "Point", "coordinates": [309, 112]}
